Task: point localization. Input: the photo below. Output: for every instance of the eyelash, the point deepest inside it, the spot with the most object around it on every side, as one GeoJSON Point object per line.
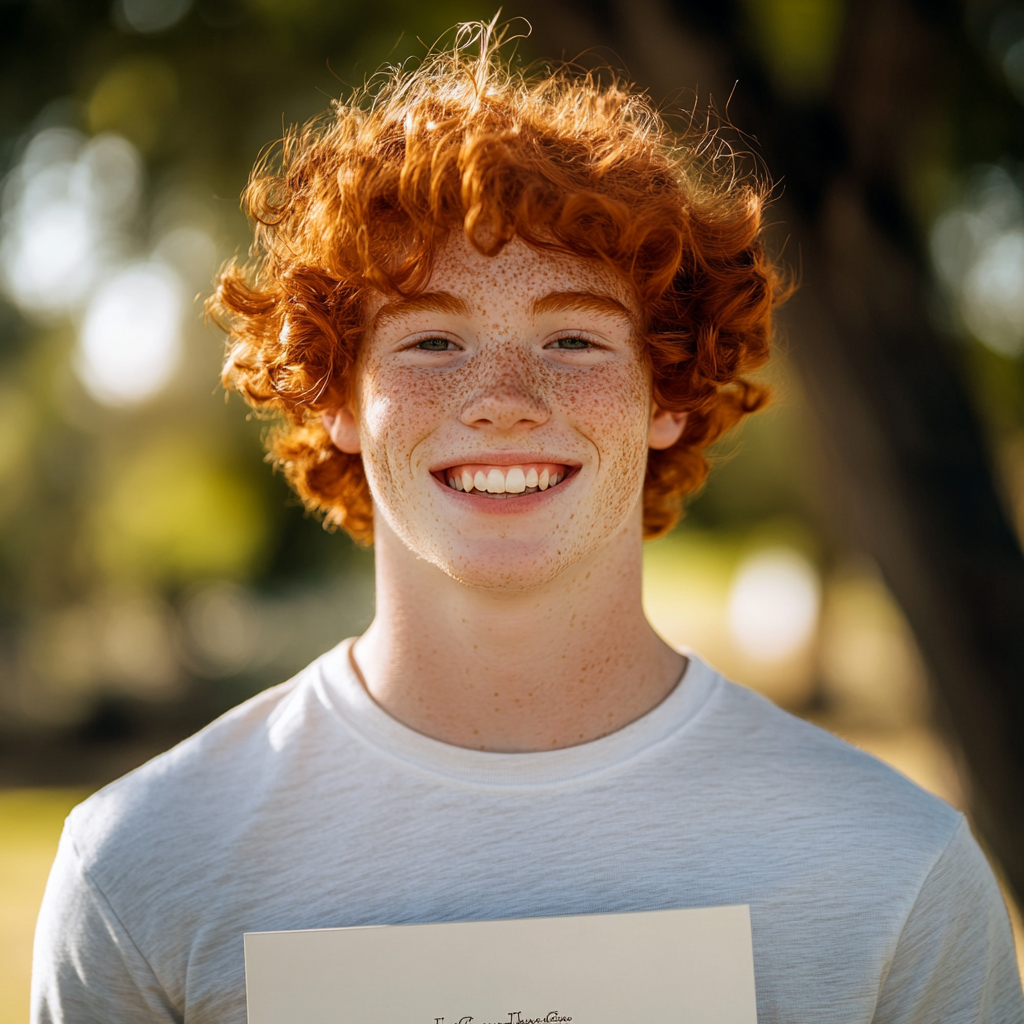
{"type": "Point", "coordinates": [583, 346]}
{"type": "Point", "coordinates": [421, 345]}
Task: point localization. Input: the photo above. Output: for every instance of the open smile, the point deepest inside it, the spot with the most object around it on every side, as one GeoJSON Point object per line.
{"type": "Point", "coordinates": [504, 481]}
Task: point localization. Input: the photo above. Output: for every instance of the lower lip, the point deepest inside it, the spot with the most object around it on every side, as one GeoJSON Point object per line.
{"type": "Point", "coordinates": [516, 504]}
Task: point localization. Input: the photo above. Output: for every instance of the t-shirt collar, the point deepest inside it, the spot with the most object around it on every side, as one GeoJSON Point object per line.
{"type": "Point", "coordinates": [341, 690]}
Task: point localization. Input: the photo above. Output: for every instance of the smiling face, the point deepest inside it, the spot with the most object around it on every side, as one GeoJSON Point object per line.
{"type": "Point", "coordinates": [504, 415]}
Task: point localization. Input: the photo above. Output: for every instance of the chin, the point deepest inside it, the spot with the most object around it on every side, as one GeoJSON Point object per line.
{"type": "Point", "coordinates": [516, 553]}
{"type": "Point", "coordinates": [505, 565]}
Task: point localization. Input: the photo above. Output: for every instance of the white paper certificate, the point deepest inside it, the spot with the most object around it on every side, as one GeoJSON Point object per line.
{"type": "Point", "coordinates": [652, 967]}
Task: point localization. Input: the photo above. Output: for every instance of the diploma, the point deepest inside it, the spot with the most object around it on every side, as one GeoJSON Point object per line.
{"type": "Point", "coordinates": [690, 966]}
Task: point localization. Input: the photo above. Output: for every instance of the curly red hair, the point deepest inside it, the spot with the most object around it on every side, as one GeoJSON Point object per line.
{"type": "Point", "coordinates": [362, 199]}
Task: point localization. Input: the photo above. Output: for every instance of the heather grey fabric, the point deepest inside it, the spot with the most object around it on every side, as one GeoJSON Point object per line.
{"type": "Point", "coordinates": [309, 806]}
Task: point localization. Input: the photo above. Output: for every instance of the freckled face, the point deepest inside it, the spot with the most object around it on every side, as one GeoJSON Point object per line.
{"type": "Point", "coordinates": [524, 363]}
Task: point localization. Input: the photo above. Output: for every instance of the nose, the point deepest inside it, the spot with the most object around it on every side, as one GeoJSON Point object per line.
{"type": "Point", "coordinates": [504, 400]}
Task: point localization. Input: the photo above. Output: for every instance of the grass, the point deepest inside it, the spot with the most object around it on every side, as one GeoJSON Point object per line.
{"type": "Point", "coordinates": [30, 826]}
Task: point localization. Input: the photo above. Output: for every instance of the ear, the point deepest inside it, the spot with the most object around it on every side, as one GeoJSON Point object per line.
{"type": "Point", "coordinates": [341, 425]}
{"type": "Point", "coordinates": [666, 428]}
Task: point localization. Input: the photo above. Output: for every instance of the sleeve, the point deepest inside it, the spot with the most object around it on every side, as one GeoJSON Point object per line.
{"type": "Point", "coordinates": [955, 959]}
{"type": "Point", "coordinates": [85, 967]}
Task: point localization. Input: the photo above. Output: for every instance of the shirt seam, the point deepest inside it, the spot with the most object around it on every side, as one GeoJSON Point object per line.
{"type": "Point", "coordinates": [961, 823]}
{"type": "Point", "coordinates": [101, 894]}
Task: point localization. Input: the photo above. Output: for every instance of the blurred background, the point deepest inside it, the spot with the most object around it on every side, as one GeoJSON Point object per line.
{"type": "Point", "coordinates": [856, 555]}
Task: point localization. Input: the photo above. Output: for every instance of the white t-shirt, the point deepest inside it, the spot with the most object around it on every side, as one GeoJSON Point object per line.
{"type": "Point", "coordinates": [308, 806]}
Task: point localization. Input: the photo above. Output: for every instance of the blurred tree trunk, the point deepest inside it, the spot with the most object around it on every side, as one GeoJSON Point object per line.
{"type": "Point", "coordinates": [910, 472]}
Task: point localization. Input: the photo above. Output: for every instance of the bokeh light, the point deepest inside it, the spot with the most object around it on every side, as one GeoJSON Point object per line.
{"type": "Point", "coordinates": [774, 603]}
{"type": "Point", "coordinates": [65, 210]}
{"type": "Point", "coordinates": [221, 628]}
{"type": "Point", "coordinates": [978, 253]}
{"type": "Point", "coordinates": [130, 341]}
{"type": "Point", "coordinates": [1006, 43]}
{"type": "Point", "coordinates": [149, 16]}
{"type": "Point", "coordinates": [154, 573]}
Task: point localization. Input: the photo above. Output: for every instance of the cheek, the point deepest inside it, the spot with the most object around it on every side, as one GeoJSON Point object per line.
{"type": "Point", "coordinates": [397, 410]}
{"type": "Point", "coordinates": [613, 410]}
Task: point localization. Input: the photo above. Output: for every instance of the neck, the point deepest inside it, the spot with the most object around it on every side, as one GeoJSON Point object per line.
{"type": "Point", "coordinates": [554, 666]}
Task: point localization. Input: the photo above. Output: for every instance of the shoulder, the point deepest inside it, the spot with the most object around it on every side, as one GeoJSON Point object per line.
{"type": "Point", "coordinates": [186, 798]}
{"type": "Point", "coordinates": [810, 781]}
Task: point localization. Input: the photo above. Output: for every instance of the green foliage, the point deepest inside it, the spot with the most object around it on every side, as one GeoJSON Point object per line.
{"type": "Point", "coordinates": [172, 493]}
{"type": "Point", "coordinates": [169, 494]}
{"type": "Point", "coordinates": [136, 97]}
{"type": "Point", "coordinates": [174, 512]}
{"type": "Point", "coordinates": [799, 41]}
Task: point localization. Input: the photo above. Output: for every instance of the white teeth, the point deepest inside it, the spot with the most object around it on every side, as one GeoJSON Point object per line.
{"type": "Point", "coordinates": [515, 481]}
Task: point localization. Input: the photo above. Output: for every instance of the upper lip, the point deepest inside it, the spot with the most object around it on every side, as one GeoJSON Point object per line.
{"type": "Point", "coordinates": [503, 458]}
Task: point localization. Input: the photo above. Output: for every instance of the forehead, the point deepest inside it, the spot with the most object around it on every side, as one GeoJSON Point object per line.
{"type": "Point", "coordinates": [512, 282]}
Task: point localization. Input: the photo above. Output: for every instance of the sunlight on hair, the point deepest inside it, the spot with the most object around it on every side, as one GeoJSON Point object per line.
{"type": "Point", "coordinates": [565, 161]}
{"type": "Point", "coordinates": [774, 604]}
{"type": "Point", "coordinates": [131, 337]}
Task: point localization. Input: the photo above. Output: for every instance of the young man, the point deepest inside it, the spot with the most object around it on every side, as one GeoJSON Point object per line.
{"type": "Point", "coordinates": [500, 320]}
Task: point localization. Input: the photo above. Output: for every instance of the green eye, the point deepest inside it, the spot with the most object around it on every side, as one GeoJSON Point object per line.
{"type": "Point", "coordinates": [573, 344]}
{"type": "Point", "coordinates": [433, 344]}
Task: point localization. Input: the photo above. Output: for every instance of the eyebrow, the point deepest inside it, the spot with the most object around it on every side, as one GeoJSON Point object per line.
{"type": "Point", "coordinates": [584, 302]}
{"type": "Point", "coordinates": [428, 302]}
